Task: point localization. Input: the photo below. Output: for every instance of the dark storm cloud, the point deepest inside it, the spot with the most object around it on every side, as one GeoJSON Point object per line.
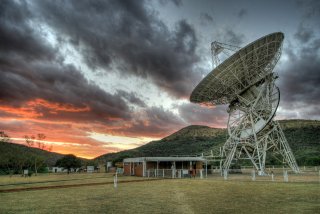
{"type": "Point", "coordinates": [157, 122]}
{"type": "Point", "coordinates": [227, 35]}
{"type": "Point", "coordinates": [233, 38]}
{"type": "Point", "coordinates": [205, 18]}
{"type": "Point", "coordinates": [300, 80]}
{"type": "Point", "coordinates": [58, 84]}
{"type": "Point", "coordinates": [36, 84]}
{"type": "Point", "coordinates": [304, 34]}
{"type": "Point", "coordinates": [311, 9]}
{"type": "Point", "coordinates": [127, 33]}
{"type": "Point", "coordinates": [131, 98]}
{"type": "Point", "coordinates": [17, 37]}
{"type": "Point", "coordinates": [31, 69]}
{"type": "Point", "coordinates": [242, 13]}
{"type": "Point", "coordinates": [300, 75]}
{"type": "Point", "coordinates": [178, 3]}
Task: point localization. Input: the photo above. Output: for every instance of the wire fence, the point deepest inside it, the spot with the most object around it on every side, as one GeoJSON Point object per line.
{"type": "Point", "coordinates": [272, 174]}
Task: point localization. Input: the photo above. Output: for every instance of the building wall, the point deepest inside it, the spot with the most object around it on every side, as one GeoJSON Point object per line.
{"type": "Point", "coordinates": [199, 165]}
{"type": "Point", "coordinates": [137, 168]}
{"type": "Point", "coordinates": [179, 165]}
{"type": "Point", "coordinates": [126, 169]}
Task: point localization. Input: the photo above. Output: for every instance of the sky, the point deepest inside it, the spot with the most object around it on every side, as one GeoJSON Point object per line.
{"type": "Point", "coordinates": [104, 76]}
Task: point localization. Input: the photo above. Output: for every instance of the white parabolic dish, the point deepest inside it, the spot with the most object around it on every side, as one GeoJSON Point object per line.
{"type": "Point", "coordinates": [239, 72]}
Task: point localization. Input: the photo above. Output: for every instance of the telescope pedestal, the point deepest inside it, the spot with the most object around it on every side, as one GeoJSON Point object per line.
{"type": "Point", "coordinates": [271, 140]}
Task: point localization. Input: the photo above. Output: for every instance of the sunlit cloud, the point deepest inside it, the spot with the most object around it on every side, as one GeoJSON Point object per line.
{"type": "Point", "coordinates": [121, 142]}
{"type": "Point", "coordinates": [31, 108]}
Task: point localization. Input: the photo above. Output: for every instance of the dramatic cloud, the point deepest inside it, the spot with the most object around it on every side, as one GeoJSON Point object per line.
{"type": "Point", "coordinates": [300, 80]}
{"type": "Point", "coordinates": [32, 74]}
{"type": "Point", "coordinates": [131, 98]}
{"type": "Point", "coordinates": [311, 9]}
{"type": "Point", "coordinates": [242, 13]}
{"type": "Point", "coordinates": [155, 122]}
{"type": "Point", "coordinates": [303, 34]}
{"type": "Point", "coordinates": [227, 35]}
{"type": "Point", "coordinates": [84, 72]}
{"type": "Point", "coordinates": [205, 18]}
{"type": "Point", "coordinates": [130, 34]}
{"type": "Point", "coordinates": [178, 3]}
{"type": "Point", "coordinates": [17, 36]}
{"type": "Point", "coordinates": [46, 87]}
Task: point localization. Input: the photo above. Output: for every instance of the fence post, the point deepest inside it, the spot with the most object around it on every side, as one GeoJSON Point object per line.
{"type": "Point", "coordinates": [253, 175]}
{"type": "Point", "coordinates": [285, 176]}
{"type": "Point", "coordinates": [272, 176]}
{"type": "Point", "coordinates": [163, 173]}
{"type": "Point", "coordinates": [115, 180]}
{"type": "Point", "coordinates": [225, 174]}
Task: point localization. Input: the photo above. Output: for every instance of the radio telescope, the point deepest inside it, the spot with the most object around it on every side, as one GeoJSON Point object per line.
{"type": "Point", "coordinates": [246, 82]}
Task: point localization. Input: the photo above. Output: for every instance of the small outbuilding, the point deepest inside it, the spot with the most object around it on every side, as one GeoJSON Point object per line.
{"type": "Point", "coordinates": [90, 169]}
{"type": "Point", "coordinates": [173, 167]}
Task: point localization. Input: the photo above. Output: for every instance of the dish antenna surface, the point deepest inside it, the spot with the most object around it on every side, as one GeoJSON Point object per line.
{"type": "Point", "coordinates": [246, 82]}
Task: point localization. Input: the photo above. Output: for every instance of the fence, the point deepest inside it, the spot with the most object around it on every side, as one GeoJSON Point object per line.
{"type": "Point", "coordinates": [273, 174]}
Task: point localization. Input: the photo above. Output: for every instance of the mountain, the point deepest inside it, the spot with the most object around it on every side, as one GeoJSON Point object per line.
{"type": "Point", "coordinates": [303, 137]}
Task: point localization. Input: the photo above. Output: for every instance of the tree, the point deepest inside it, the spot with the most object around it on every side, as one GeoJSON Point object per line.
{"type": "Point", "coordinates": [6, 159]}
{"type": "Point", "coordinates": [4, 137]}
{"type": "Point", "coordinates": [68, 162]}
{"type": "Point", "coordinates": [30, 141]}
{"type": "Point", "coordinates": [41, 145]}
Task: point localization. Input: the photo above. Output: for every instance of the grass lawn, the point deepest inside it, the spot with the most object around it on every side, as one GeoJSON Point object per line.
{"type": "Point", "coordinates": [170, 196]}
{"type": "Point", "coordinates": [16, 181]}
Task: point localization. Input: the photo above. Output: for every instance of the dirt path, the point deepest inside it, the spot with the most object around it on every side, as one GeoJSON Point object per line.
{"type": "Point", "coordinates": [70, 185]}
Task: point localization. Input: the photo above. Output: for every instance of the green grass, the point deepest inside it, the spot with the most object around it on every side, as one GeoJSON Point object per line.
{"type": "Point", "coordinates": [41, 180]}
{"type": "Point", "coordinates": [212, 195]}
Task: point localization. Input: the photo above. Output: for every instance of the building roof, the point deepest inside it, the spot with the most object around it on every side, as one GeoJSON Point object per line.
{"type": "Point", "coordinates": [141, 159]}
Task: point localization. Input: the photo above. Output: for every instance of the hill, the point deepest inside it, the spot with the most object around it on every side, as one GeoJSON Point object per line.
{"type": "Point", "coordinates": [11, 149]}
{"type": "Point", "coordinates": [16, 157]}
{"type": "Point", "coordinates": [302, 135]}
